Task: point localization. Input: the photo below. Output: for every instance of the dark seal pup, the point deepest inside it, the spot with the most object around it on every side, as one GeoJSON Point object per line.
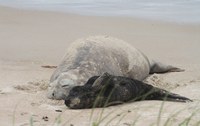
{"type": "Point", "coordinates": [109, 90]}
{"type": "Point", "coordinates": [96, 55]}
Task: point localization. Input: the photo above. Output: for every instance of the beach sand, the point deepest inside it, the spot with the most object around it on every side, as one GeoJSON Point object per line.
{"type": "Point", "coordinates": [31, 39]}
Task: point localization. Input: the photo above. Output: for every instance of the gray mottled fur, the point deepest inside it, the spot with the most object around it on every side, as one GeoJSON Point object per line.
{"type": "Point", "coordinates": [98, 54]}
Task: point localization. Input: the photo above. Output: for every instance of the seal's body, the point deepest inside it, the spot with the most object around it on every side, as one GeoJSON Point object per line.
{"type": "Point", "coordinates": [99, 54]}
{"type": "Point", "coordinates": [109, 90]}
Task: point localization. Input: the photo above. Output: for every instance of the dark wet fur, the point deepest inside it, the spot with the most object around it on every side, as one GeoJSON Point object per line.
{"type": "Point", "coordinates": [115, 90]}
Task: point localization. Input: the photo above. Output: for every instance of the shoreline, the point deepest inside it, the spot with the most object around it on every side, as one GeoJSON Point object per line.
{"type": "Point", "coordinates": [54, 30]}
{"type": "Point", "coordinates": [71, 13]}
{"type": "Point", "coordinates": [155, 11]}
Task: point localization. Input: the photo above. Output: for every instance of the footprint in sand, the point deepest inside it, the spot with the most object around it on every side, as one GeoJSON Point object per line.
{"type": "Point", "coordinates": [32, 87]}
{"type": "Point", "coordinates": [6, 90]}
{"type": "Point", "coordinates": [158, 80]}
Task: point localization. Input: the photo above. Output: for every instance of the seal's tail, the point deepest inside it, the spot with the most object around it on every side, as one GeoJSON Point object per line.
{"type": "Point", "coordinates": [160, 94]}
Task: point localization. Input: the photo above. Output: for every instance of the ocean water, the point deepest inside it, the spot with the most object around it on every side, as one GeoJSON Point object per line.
{"type": "Point", "coordinates": [183, 11]}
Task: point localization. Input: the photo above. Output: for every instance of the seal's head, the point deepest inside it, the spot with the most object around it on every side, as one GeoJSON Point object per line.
{"type": "Point", "coordinates": [59, 88]}
{"type": "Point", "coordinates": [88, 95]}
{"type": "Point", "coordinates": [80, 97]}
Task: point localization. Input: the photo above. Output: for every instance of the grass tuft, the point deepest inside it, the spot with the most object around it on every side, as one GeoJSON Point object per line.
{"type": "Point", "coordinates": [31, 121]}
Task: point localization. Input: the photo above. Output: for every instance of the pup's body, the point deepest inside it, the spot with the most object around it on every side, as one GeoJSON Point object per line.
{"type": "Point", "coordinates": [108, 90]}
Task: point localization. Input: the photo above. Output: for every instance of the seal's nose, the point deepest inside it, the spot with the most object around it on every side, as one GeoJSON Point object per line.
{"type": "Point", "coordinates": [50, 94]}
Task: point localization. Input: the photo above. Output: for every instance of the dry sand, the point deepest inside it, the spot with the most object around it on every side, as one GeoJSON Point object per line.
{"type": "Point", "coordinates": [31, 39]}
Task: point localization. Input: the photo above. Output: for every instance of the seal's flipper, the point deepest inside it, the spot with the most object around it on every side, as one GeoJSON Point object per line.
{"type": "Point", "coordinates": [91, 80]}
{"type": "Point", "coordinates": [101, 81]}
{"type": "Point", "coordinates": [177, 98]}
{"type": "Point", "coordinates": [160, 94]}
{"type": "Point", "coordinates": [157, 67]}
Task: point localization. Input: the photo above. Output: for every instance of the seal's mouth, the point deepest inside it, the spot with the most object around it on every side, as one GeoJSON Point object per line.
{"type": "Point", "coordinates": [73, 102]}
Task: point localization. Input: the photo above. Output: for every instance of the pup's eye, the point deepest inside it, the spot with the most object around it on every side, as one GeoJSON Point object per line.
{"type": "Point", "coordinates": [65, 85]}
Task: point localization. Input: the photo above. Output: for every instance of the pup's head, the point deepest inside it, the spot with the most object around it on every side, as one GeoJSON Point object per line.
{"type": "Point", "coordinates": [80, 97]}
{"type": "Point", "coordinates": [87, 96]}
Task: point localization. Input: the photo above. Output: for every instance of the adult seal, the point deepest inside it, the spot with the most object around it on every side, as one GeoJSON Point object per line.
{"type": "Point", "coordinates": [96, 55]}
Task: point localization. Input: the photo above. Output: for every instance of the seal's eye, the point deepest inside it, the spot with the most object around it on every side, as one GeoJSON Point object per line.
{"type": "Point", "coordinates": [65, 85]}
{"type": "Point", "coordinates": [66, 82]}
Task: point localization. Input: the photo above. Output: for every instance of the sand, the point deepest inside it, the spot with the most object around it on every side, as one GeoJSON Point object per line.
{"type": "Point", "coordinates": [31, 39]}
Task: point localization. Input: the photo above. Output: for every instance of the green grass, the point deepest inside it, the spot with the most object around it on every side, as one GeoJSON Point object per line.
{"type": "Point", "coordinates": [160, 112]}
{"type": "Point", "coordinates": [31, 121]}
{"type": "Point", "coordinates": [168, 122]}
{"type": "Point", "coordinates": [106, 119]}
